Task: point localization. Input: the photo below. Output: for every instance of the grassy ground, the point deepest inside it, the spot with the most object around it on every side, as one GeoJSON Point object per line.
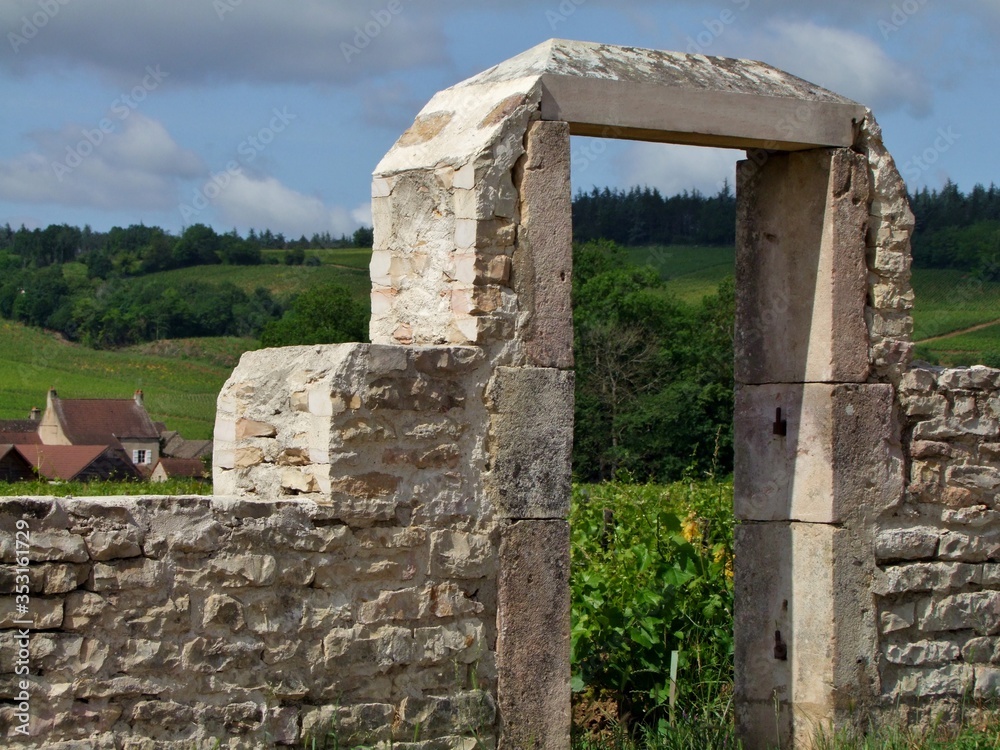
{"type": "Point", "coordinates": [351, 270]}
{"type": "Point", "coordinates": [180, 386]}
{"type": "Point", "coordinates": [42, 488]}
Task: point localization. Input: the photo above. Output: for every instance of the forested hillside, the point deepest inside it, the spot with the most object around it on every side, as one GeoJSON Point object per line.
{"type": "Point", "coordinates": [112, 289]}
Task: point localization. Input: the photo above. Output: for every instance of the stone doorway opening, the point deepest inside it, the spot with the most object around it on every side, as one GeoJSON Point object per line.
{"type": "Point", "coordinates": [473, 247]}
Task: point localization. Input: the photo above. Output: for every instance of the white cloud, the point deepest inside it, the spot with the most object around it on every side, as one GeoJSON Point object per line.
{"type": "Point", "coordinates": [309, 41]}
{"type": "Point", "coordinates": [843, 61]}
{"type": "Point", "coordinates": [136, 166]}
{"type": "Point", "coordinates": [264, 202]}
{"type": "Point", "coordinates": [674, 169]}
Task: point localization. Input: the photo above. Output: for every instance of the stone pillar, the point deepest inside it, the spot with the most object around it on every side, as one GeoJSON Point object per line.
{"type": "Point", "coordinates": [816, 451]}
{"type": "Point", "coordinates": [531, 438]}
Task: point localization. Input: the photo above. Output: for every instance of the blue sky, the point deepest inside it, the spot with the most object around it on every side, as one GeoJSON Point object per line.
{"type": "Point", "coordinates": [261, 113]}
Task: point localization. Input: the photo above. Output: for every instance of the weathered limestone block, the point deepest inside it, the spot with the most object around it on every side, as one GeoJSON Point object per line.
{"type": "Point", "coordinates": [937, 576]}
{"type": "Point", "coordinates": [456, 554]}
{"type": "Point", "coordinates": [531, 442]}
{"type": "Point", "coordinates": [923, 653]}
{"type": "Point", "coordinates": [981, 651]}
{"type": "Point", "coordinates": [364, 724]}
{"type": "Point", "coordinates": [136, 573]}
{"type": "Point", "coordinates": [888, 318]}
{"type": "Point", "coordinates": [978, 611]}
{"type": "Point", "coordinates": [801, 317]}
{"type": "Point", "coordinates": [952, 680]}
{"type": "Point", "coordinates": [104, 545]}
{"type": "Point", "coordinates": [815, 452]}
{"type": "Point", "coordinates": [533, 648]}
{"type": "Point", "coordinates": [543, 261]}
{"type": "Point", "coordinates": [897, 617]}
{"type": "Point", "coordinates": [920, 543]}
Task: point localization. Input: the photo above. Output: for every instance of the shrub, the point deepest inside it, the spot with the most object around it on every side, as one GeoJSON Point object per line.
{"type": "Point", "coordinates": [652, 574]}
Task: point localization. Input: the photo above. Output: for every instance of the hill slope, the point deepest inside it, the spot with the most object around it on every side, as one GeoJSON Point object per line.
{"type": "Point", "coordinates": [179, 390]}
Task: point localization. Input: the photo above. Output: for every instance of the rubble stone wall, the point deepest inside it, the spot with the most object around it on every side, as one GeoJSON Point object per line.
{"type": "Point", "coordinates": [938, 587]}
{"type": "Point", "coordinates": [347, 584]}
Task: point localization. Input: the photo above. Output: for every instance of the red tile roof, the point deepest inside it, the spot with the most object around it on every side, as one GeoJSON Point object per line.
{"type": "Point", "coordinates": [67, 462]}
{"type": "Point", "coordinates": [182, 467]}
{"type": "Point", "coordinates": [18, 431]}
{"type": "Point", "coordinates": [93, 421]}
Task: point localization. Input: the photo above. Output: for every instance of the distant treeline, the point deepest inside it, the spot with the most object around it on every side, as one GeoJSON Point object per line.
{"type": "Point", "coordinates": [138, 249]}
{"type": "Point", "coordinates": [954, 229]}
{"type": "Point", "coordinates": [642, 216]}
{"type": "Point", "coordinates": [958, 230]}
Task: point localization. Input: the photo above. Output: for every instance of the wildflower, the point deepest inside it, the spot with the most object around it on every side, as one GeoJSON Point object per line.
{"type": "Point", "coordinates": [691, 528]}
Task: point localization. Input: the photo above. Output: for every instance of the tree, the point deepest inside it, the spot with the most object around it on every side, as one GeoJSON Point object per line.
{"type": "Point", "coordinates": [325, 314]}
{"type": "Point", "coordinates": [364, 237]}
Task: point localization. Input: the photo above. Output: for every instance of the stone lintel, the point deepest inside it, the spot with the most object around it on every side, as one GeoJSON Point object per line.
{"type": "Point", "coordinates": [533, 644]}
{"type": "Point", "coordinates": [653, 112]}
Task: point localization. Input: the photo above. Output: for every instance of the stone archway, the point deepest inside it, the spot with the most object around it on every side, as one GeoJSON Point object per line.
{"type": "Point", "coordinates": [471, 211]}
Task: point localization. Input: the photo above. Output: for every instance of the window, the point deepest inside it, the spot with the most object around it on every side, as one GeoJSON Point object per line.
{"type": "Point", "coordinates": [141, 456]}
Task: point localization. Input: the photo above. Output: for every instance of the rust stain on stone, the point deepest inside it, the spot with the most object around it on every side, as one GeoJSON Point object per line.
{"type": "Point", "coordinates": [425, 127]}
{"type": "Point", "coordinates": [503, 110]}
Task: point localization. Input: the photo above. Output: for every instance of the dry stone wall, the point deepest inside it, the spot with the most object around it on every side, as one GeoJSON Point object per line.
{"type": "Point", "coordinates": [348, 584]}
{"type": "Point", "coordinates": [938, 587]}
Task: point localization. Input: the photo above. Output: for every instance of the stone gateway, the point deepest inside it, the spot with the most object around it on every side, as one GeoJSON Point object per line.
{"type": "Point", "coordinates": [386, 558]}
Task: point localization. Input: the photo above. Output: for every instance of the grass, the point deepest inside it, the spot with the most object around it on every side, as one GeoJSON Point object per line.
{"type": "Point", "coordinates": [692, 272]}
{"type": "Point", "coordinates": [948, 300]}
{"type": "Point", "coordinates": [983, 734]}
{"type": "Point", "coordinates": [280, 279]}
{"type": "Point", "coordinates": [181, 379]}
{"type": "Point", "coordinates": [180, 386]}
{"type": "Point", "coordinates": [108, 488]}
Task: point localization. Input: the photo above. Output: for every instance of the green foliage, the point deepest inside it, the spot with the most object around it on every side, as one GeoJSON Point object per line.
{"type": "Point", "coordinates": [326, 314]}
{"type": "Point", "coordinates": [43, 488]}
{"type": "Point", "coordinates": [654, 376]}
{"type": "Point", "coordinates": [652, 574]}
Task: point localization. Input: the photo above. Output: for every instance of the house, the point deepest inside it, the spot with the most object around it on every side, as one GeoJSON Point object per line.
{"type": "Point", "coordinates": [79, 462]}
{"type": "Point", "coordinates": [120, 423]}
{"type": "Point", "coordinates": [14, 467]}
{"type": "Point", "coordinates": [21, 431]}
{"type": "Point", "coordinates": [172, 445]}
{"type": "Point", "coordinates": [178, 468]}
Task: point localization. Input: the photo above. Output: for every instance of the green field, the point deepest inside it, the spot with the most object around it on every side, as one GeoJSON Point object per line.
{"type": "Point", "coordinates": [180, 388]}
{"type": "Point", "coordinates": [691, 272]}
{"type": "Point", "coordinates": [348, 267]}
